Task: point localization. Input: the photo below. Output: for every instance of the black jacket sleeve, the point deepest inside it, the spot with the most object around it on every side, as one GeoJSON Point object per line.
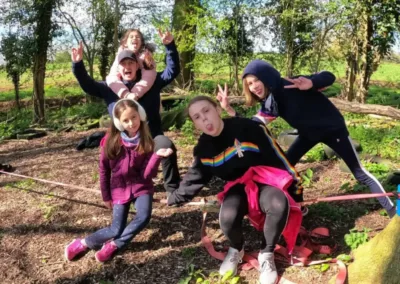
{"type": "Point", "coordinates": [195, 179]}
{"type": "Point", "coordinates": [172, 69]}
{"type": "Point", "coordinates": [321, 80]}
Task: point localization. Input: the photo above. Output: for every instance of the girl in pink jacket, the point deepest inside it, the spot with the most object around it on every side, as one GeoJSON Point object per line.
{"type": "Point", "coordinates": [127, 165]}
{"type": "Point", "coordinates": [133, 40]}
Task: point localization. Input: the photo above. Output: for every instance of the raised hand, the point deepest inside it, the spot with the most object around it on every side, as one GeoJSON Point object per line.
{"type": "Point", "coordinates": [166, 37]}
{"type": "Point", "coordinates": [164, 152]}
{"type": "Point", "coordinates": [77, 53]}
{"type": "Point", "coordinates": [301, 83]}
{"type": "Point", "coordinates": [222, 97]}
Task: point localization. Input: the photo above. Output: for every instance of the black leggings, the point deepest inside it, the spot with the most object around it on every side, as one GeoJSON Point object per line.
{"type": "Point", "coordinates": [273, 203]}
{"type": "Point", "coordinates": [342, 145]}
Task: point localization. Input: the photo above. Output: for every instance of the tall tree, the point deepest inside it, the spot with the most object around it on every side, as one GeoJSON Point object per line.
{"type": "Point", "coordinates": [370, 33]}
{"type": "Point", "coordinates": [43, 10]}
{"type": "Point", "coordinates": [17, 51]}
{"type": "Point", "coordinates": [234, 41]}
{"type": "Point", "coordinates": [185, 15]}
{"type": "Point", "coordinates": [293, 28]}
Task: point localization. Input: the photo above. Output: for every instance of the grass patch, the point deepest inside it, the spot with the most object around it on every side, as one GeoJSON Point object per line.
{"type": "Point", "coordinates": [77, 116]}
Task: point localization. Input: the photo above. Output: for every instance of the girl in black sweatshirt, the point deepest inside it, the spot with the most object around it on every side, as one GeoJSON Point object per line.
{"type": "Point", "coordinates": [260, 183]}
{"type": "Point", "coordinates": [299, 102]}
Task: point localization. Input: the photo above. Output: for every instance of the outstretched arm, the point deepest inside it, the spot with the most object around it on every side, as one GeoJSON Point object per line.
{"type": "Point", "coordinates": [172, 69]}
{"type": "Point", "coordinates": [87, 83]}
{"type": "Point", "coordinates": [195, 179]}
{"type": "Point", "coordinates": [317, 81]}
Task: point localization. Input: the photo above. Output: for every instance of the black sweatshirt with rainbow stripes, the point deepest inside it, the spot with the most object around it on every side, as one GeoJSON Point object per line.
{"type": "Point", "coordinates": [243, 143]}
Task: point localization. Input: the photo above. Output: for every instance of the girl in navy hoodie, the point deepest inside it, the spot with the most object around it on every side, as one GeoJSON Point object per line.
{"type": "Point", "coordinates": [304, 107]}
{"type": "Point", "coordinates": [127, 166]}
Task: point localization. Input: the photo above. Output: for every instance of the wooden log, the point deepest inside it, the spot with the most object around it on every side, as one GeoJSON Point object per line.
{"type": "Point", "coordinates": [346, 106]}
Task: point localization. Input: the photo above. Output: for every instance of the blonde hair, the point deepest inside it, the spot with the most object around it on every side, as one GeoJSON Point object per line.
{"type": "Point", "coordinates": [113, 142]}
{"type": "Point", "coordinates": [251, 99]}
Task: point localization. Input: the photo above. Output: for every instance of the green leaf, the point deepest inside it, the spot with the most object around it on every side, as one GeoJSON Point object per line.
{"type": "Point", "coordinates": [324, 267]}
{"type": "Point", "coordinates": [227, 275]}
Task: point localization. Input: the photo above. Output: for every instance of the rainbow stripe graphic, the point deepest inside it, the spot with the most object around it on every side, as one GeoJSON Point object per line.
{"type": "Point", "coordinates": [285, 161]}
{"type": "Point", "coordinates": [229, 153]}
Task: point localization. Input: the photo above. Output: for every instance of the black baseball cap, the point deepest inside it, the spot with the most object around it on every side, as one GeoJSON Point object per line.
{"type": "Point", "coordinates": [126, 54]}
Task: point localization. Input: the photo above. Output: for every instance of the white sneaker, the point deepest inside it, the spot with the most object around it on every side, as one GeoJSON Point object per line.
{"type": "Point", "coordinates": [231, 261]}
{"type": "Point", "coordinates": [268, 274]}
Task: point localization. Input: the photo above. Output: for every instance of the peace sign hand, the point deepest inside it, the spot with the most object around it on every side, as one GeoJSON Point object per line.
{"type": "Point", "coordinates": [77, 53]}
{"type": "Point", "coordinates": [222, 97]}
{"type": "Point", "coordinates": [166, 37]}
{"type": "Point", "coordinates": [301, 83]}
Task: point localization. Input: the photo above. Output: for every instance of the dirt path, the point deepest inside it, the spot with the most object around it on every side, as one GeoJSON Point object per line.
{"type": "Point", "coordinates": [38, 220]}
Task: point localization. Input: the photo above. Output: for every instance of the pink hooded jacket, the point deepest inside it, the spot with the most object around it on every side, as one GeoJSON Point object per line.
{"type": "Point", "coordinates": [274, 177]}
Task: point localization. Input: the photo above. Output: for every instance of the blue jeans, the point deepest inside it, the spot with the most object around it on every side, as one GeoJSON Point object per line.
{"type": "Point", "coordinates": [118, 231]}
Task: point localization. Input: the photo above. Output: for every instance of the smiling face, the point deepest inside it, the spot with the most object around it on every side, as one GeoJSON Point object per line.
{"type": "Point", "coordinates": [134, 41]}
{"type": "Point", "coordinates": [256, 86]}
{"type": "Point", "coordinates": [128, 69]}
{"type": "Point", "coordinates": [206, 117]}
{"type": "Point", "coordinates": [130, 120]}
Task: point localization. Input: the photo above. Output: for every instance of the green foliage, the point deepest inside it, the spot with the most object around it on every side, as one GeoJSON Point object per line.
{"type": "Point", "coordinates": [354, 239]}
{"type": "Point", "coordinates": [315, 154]}
{"type": "Point", "coordinates": [336, 213]}
{"type": "Point", "coordinates": [63, 57]}
{"type": "Point", "coordinates": [79, 116]}
{"type": "Point", "coordinates": [189, 253]}
{"type": "Point", "coordinates": [188, 130]}
{"type": "Point", "coordinates": [198, 276]}
{"type": "Point", "coordinates": [377, 137]}
{"type": "Point", "coordinates": [380, 171]}
{"type": "Point", "coordinates": [307, 178]}
{"type": "Point", "coordinates": [48, 210]}
{"type": "Point", "coordinates": [345, 258]}
{"type": "Point", "coordinates": [17, 50]}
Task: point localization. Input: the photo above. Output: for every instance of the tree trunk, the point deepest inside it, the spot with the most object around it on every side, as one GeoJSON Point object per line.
{"type": "Point", "coordinates": [44, 10]}
{"type": "Point", "coordinates": [116, 25]}
{"type": "Point", "coordinates": [366, 58]}
{"type": "Point", "coordinates": [351, 75]}
{"type": "Point", "coordinates": [185, 33]}
{"type": "Point", "coordinates": [15, 80]}
{"type": "Point", "coordinates": [289, 60]}
{"type": "Point", "coordinates": [378, 261]}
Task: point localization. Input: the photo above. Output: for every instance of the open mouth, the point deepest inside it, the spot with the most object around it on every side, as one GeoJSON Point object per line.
{"type": "Point", "coordinates": [209, 127]}
{"type": "Point", "coordinates": [128, 73]}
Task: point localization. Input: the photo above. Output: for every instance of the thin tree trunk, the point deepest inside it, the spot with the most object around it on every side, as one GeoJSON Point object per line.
{"type": "Point", "coordinates": [15, 79]}
{"type": "Point", "coordinates": [116, 25]}
{"type": "Point", "coordinates": [44, 10]}
{"type": "Point", "coordinates": [366, 59]}
{"type": "Point", "coordinates": [186, 39]}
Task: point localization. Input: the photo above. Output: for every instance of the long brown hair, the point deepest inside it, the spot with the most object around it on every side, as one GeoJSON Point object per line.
{"type": "Point", "coordinates": [199, 99]}
{"type": "Point", "coordinates": [251, 99]}
{"type": "Point", "coordinates": [148, 61]}
{"type": "Point", "coordinates": [113, 142]}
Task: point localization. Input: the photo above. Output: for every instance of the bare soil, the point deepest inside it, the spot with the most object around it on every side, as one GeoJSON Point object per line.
{"type": "Point", "coordinates": [38, 220]}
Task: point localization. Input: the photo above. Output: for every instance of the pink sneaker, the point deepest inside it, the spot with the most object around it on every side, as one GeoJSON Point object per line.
{"type": "Point", "coordinates": [74, 249]}
{"type": "Point", "coordinates": [106, 252]}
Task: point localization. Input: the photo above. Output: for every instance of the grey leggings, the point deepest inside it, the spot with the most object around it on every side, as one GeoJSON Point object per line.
{"type": "Point", "coordinates": [342, 145]}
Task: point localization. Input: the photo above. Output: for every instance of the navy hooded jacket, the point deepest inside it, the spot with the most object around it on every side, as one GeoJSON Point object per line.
{"type": "Point", "coordinates": [309, 111]}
